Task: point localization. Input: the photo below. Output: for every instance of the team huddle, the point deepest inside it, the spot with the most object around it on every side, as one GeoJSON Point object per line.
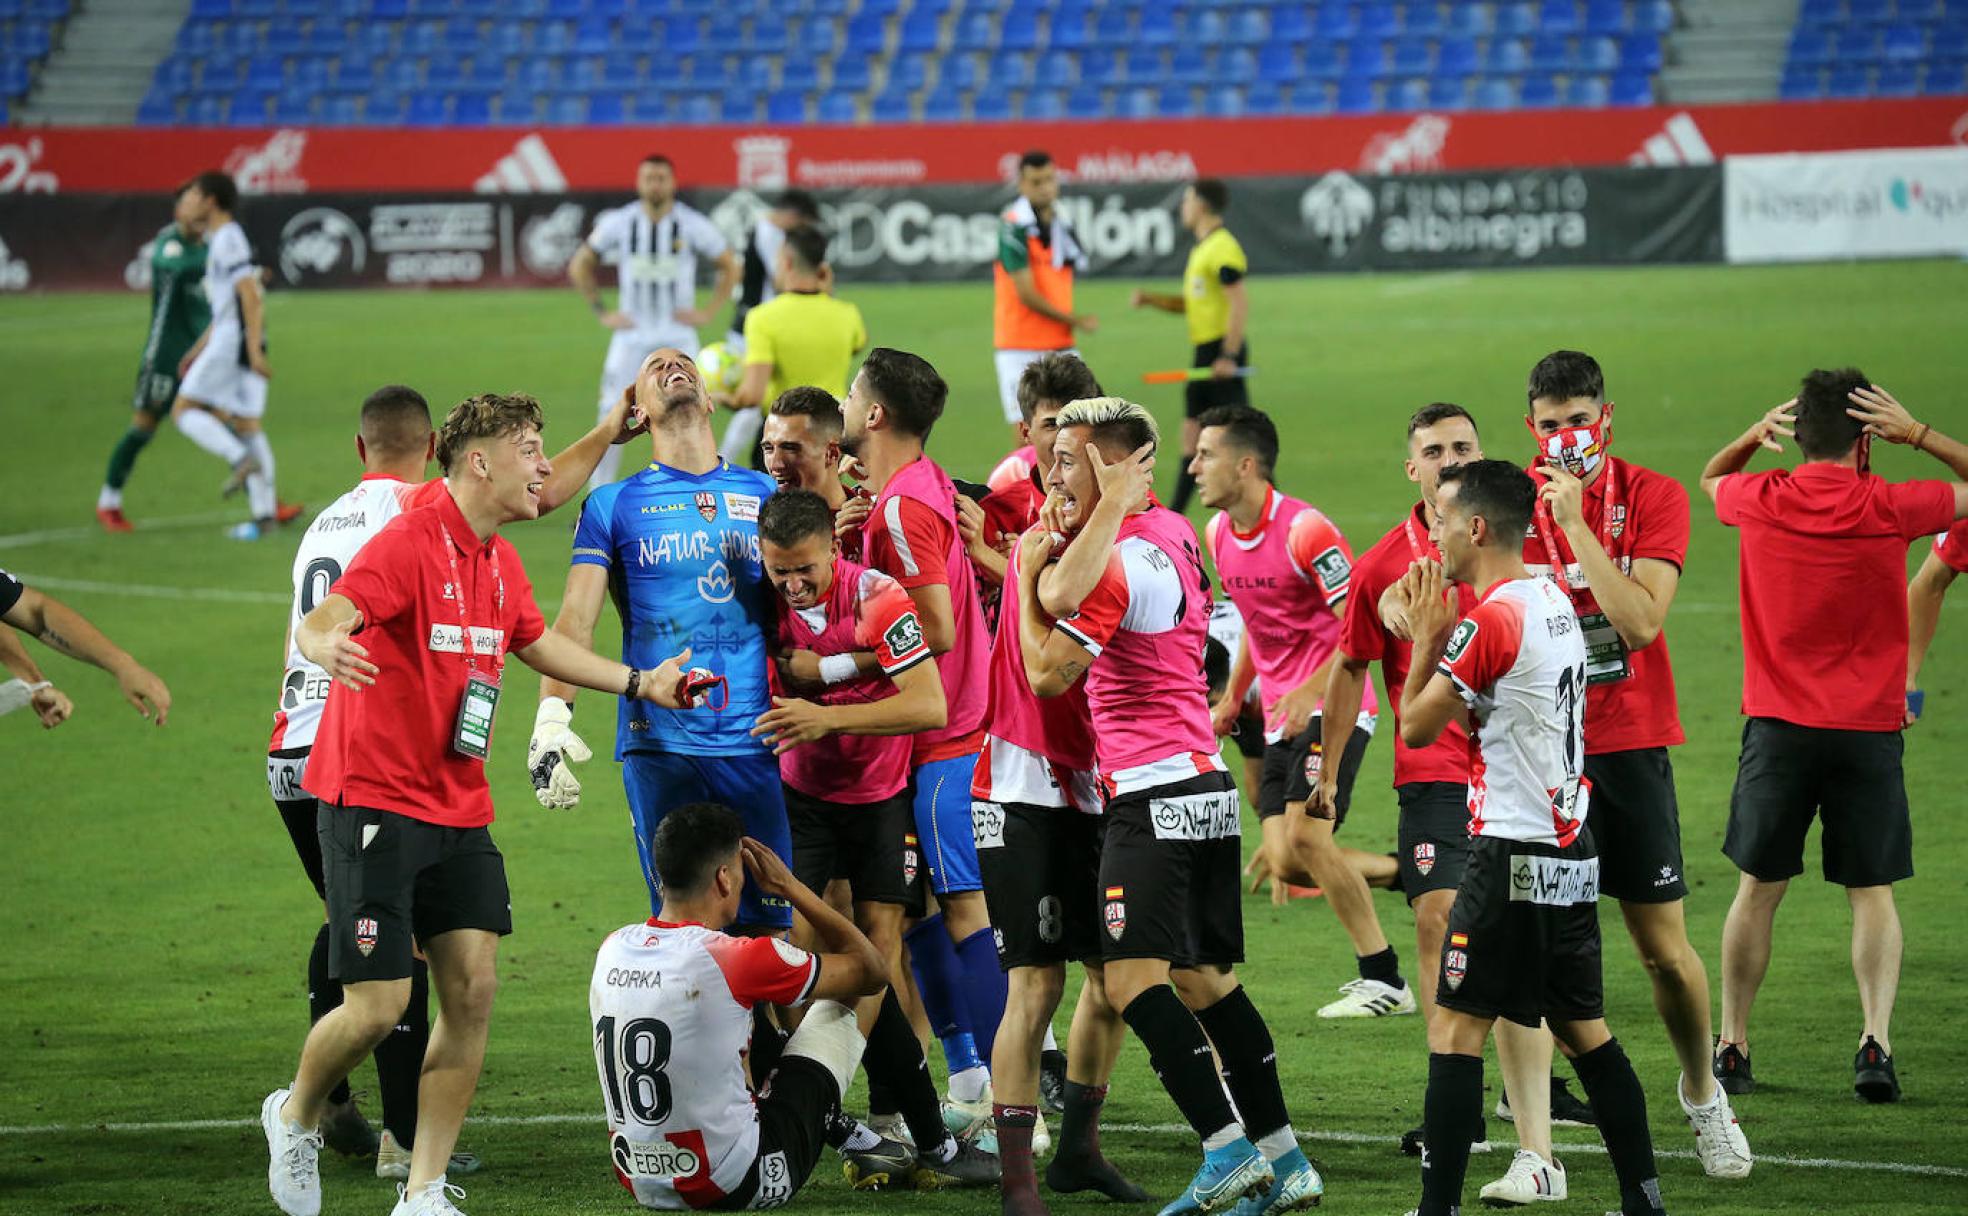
{"type": "Point", "coordinates": [899, 750]}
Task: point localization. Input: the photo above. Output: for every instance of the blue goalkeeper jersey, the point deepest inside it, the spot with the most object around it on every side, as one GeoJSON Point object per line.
{"type": "Point", "coordinates": [682, 554]}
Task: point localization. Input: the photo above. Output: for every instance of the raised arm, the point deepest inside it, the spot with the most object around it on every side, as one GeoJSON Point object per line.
{"type": "Point", "coordinates": [1889, 420]}
{"type": "Point", "coordinates": [1635, 604]}
{"type": "Point", "coordinates": [1768, 433]}
{"type": "Point", "coordinates": [850, 965]}
{"type": "Point", "coordinates": [63, 629]}
{"type": "Point", "coordinates": [573, 466]}
{"type": "Point", "coordinates": [565, 662]}
{"type": "Point", "coordinates": [1429, 700]}
{"type": "Point", "coordinates": [1124, 489]}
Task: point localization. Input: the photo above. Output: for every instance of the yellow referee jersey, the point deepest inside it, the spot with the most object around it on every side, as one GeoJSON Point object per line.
{"type": "Point", "coordinates": [1216, 262]}
{"type": "Point", "coordinates": [808, 338]}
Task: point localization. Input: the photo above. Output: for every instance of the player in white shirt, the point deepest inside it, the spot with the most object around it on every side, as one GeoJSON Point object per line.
{"type": "Point", "coordinates": [394, 442]}
{"type": "Point", "coordinates": [654, 243]}
{"type": "Point", "coordinates": [671, 1003]}
{"type": "Point", "coordinates": [223, 393]}
{"type": "Point", "coordinates": [1523, 934]}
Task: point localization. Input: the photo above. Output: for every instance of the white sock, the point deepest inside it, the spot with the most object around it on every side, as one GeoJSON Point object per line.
{"type": "Point", "coordinates": [861, 1139]}
{"type": "Point", "coordinates": [970, 1084]}
{"type": "Point", "coordinates": [259, 487]}
{"type": "Point", "coordinates": [109, 499]}
{"type": "Point", "coordinates": [1222, 1137]}
{"type": "Point", "coordinates": [1278, 1143]}
{"type": "Point", "coordinates": [740, 434]}
{"type": "Point", "coordinates": [1051, 1041]}
{"type": "Point", "coordinates": [204, 429]}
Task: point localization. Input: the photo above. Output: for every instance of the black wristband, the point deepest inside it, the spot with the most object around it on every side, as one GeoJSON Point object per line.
{"type": "Point", "coordinates": [634, 685]}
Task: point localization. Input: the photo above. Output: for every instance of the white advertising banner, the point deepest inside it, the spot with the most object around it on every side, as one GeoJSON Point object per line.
{"type": "Point", "coordinates": [1909, 202]}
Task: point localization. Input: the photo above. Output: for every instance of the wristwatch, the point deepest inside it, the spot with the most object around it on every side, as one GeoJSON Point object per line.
{"type": "Point", "coordinates": [634, 685]}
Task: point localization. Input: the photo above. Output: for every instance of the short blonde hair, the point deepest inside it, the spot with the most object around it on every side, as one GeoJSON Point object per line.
{"type": "Point", "coordinates": [1114, 420]}
{"type": "Point", "coordinates": [485, 416]}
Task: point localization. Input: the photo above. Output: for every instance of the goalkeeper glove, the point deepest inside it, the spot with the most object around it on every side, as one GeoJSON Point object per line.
{"type": "Point", "coordinates": [549, 755]}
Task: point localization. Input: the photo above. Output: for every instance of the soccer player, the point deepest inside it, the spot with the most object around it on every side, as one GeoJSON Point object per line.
{"type": "Point", "coordinates": [1824, 620]}
{"type": "Point", "coordinates": [1131, 604]}
{"type": "Point", "coordinates": [910, 534]}
{"type": "Point", "coordinates": [1288, 570]}
{"type": "Point", "coordinates": [398, 765]}
{"type": "Point", "coordinates": [801, 443]}
{"type": "Point", "coordinates": [802, 336]}
{"type": "Point", "coordinates": [66, 631]}
{"type": "Point", "coordinates": [676, 547]}
{"type": "Point", "coordinates": [857, 681]}
{"type": "Point", "coordinates": [1216, 304]}
{"type": "Point", "coordinates": [1924, 595]}
{"type": "Point", "coordinates": [1523, 940]}
{"type": "Point", "coordinates": [179, 313]}
{"type": "Point", "coordinates": [222, 395]}
{"type": "Point", "coordinates": [1612, 535]}
{"type": "Point", "coordinates": [673, 1001]}
{"type": "Point", "coordinates": [1032, 280]}
{"type": "Point", "coordinates": [394, 441]}
{"type": "Point", "coordinates": [1046, 386]}
{"type": "Point", "coordinates": [793, 209]}
{"type": "Point", "coordinates": [655, 243]}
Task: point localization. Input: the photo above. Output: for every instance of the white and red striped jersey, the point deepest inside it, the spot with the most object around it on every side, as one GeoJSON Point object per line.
{"type": "Point", "coordinates": [672, 1011]}
{"type": "Point", "coordinates": [1518, 659]}
{"type": "Point", "coordinates": [1145, 623]}
{"type": "Point", "coordinates": [329, 545]}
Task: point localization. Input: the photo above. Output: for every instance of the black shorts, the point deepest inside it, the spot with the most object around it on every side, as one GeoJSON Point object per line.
{"type": "Point", "coordinates": [1523, 939]}
{"type": "Point", "coordinates": [1248, 732]}
{"type": "Point", "coordinates": [1202, 396]}
{"type": "Point", "coordinates": [1290, 770]}
{"type": "Point", "coordinates": [793, 1108]}
{"type": "Point", "coordinates": [1041, 869]}
{"type": "Point", "coordinates": [872, 845]}
{"type": "Point", "coordinates": [390, 877]}
{"type": "Point", "coordinates": [156, 390]}
{"type": "Point", "coordinates": [1433, 836]}
{"type": "Point", "coordinates": [298, 809]}
{"type": "Point", "coordinates": [1637, 824]}
{"type": "Point", "coordinates": [1171, 865]}
{"type": "Point", "coordinates": [1849, 778]}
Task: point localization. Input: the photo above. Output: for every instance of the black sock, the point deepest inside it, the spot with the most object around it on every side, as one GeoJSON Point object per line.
{"type": "Point", "coordinates": [881, 1099]}
{"type": "Point", "coordinates": [895, 1055]}
{"type": "Point", "coordinates": [324, 994]}
{"type": "Point", "coordinates": [1179, 1052]}
{"type": "Point", "coordinates": [1451, 1116]}
{"type": "Point", "coordinates": [1185, 487]}
{"type": "Point", "coordinates": [768, 1043]}
{"type": "Point", "coordinates": [1385, 967]}
{"type": "Point", "coordinates": [400, 1059]}
{"type": "Point", "coordinates": [1621, 1107]}
{"type": "Point", "coordinates": [1250, 1062]}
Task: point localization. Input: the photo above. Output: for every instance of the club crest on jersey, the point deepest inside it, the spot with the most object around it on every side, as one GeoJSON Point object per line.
{"type": "Point", "coordinates": [1424, 856]}
{"type": "Point", "coordinates": [1315, 763]}
{"type": "Point", "coordinates": [707, 506]}
{"type": "Point", "coordinates": [911, 859]}
{"type": "Point", "coordinates": [365, 935]}
{"type": "Point", "coordinates": [1116, 913]}
{"type": "Point", "coordinates": [1455, 967]}
{"type": "Point", "coordinates": [1619, 520]}
{"type": "Point", "coordinates": [1459, 641]}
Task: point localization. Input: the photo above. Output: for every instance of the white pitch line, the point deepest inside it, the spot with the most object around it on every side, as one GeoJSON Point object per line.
{"type": "Point", "coordinates": [152, 590]}
{"type": "Point", "coordinates": [1151, 1129]}
{"type": "Point", "coordinates": [1423, 284]}
{"type": "Point", "coordinates": [43, 536]}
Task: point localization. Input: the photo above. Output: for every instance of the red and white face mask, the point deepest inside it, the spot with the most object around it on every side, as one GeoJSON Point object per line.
{"type": "Point", "coordinates": [1579, 450]}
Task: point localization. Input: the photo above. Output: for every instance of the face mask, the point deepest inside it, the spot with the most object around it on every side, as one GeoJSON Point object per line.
{"type": "Point", "coordinates": [1579, 450]}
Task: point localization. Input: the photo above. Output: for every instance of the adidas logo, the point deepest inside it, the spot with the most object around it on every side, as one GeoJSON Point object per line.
{"type": "Point", "coordinates": [1680, 142]}
{"type": "Point", "coordinates": [528, 169]}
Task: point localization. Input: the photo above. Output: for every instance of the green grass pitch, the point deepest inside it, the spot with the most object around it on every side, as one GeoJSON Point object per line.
{"type": "Point", "coordinates": [155, 921]}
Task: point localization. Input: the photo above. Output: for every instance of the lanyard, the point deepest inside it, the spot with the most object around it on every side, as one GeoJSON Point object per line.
{"type": "Point", "coordinates": [1608, 509]}
{"type": "Point", "coordinates": [466, 642]}
{"type": "Point", "coordinates": [1414, 543]}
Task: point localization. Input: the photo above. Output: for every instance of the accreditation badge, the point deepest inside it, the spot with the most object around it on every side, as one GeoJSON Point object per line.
{"type": "Point", "coordinates": [473, 736]}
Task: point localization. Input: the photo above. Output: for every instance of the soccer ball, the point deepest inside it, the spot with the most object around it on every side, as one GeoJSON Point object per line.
{"type": "Point", "coordinates": [720, 367]}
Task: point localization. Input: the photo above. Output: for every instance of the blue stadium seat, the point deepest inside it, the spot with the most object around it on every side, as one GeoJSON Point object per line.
{"type": "Point", "coordinates": [1632, 89]}
{"type": "Point", "coordinates": [1413, 57]}
{"type": "Point", "coordinates": [426, 110]}
{"type": "Point", "coordinates": [1157, 27]}
{"type": "Point", "coordinates": [975, 32]}
{"type": "Point", "coordinates": [1238, 65]}
{"type": "Point", "coordinates": [1010, 70]}
{"type": "Point", "coordinates": [724, 33]}
{"type": "Point", "coordinates": [738, 108]}
{"type": "Point", "coordinates": [1356, 96]}
{"type": "Point", "coordinates": [241, 39]}
{"type": "Point", "coordinates": [1493, 93]}
{"type": "Point", "coordinates": [681, 37]}
{"type": "Point", "coordinates": [1366, 60]}
{"type": "Point", "coordinates": [1278, 62]}
{"type": "Point", "coordinates": [1516, 20]}
{"type": "Point", "coordinates": [1598, 54]}
{"type": "Point", "coordinates": [388, 10]}
{"type": "Point", "coordinates": [326, 38]}
{"type": "Point", "coordinates": [1448, 93]}
{"type": "Point", "coordinates": [1423, 21]}
{"type": "Point", "coordinates": [1919, 10]}
{"type": "Point", "coordinates": [1869, 12]}
{"type": "Point", "coordinates": [768, 37]}
{"type": "Point", "coordinates": [1506, 57]}
{"type": "Point", "coordinates": [1903, 43]}
{"type": "Point", "coordinates": [564, 110]}
{"type": "Point", "coordinates": [1801, 82]}
{"type": "Point", "coordinates": [852, 75]}
{"type": "Point", "coordinates": [1897, 80]}
{"type": "Point", "coordinates": [1056, 69]}
{"type": "Point", "coordinates": [650, 106]}
{"type": "Point", "coordinates": [249, 109]}
{"type": "Point", "coordinates": [1640, 53]}
{"type": "Point", "coordinates": [1849, 81]}
{"type": "Point", "coordinates": [1551, 53]}
{"type": "Point", "coordinates": [1264, 99]}
{"type": "Point", "coordinates": [991, 106]}
{"type": "Point", "coordinates": [696, 110]}
{"type": "Point", "coordinates": [1653, 16]}
{"type": "Point", "coordinates": [909, 72]}
{"type": "Point", "coordinates": [1855, 44]}
{"type": "Point", "coordinates": [1044, 105]}
{"type": "Point", "coordinates": [1408, 95]}
{"type": "Point", "coordinates": [920, 32]}
{"type": "Point", "coordinates": [1136, 103]}
{"type": "Point", "coordinates": [1312, 98]}
{"type": "Point", "coordinates": [1323, 61]}
{"type": "Point", "coordinates": [818, 37]}
{"type": "Point", "coordinates": [1379, 21]}
{"type": "Point", "coordinates": [471, 109]}
{"type": "Point", "coordinates": [799, 72]}
{"type": "Point", "coordinates": [1587, 92]}
{"type": "Point", "coordinates": [281, 38]}
{"type": "Point", "coordinates": [786, 107]}
{"type": "Point", "coordinates": [204, 112]}
{"type": "Point", "coordinates": [619, 69]}
{"type": "Point", "coordinates": [196, 38]}
{"type": "Point", "coordinates": [1085, 102]}
{"type": "Point", "coordinates": [835, 108]}
{"type": "Point", "coordinates": [1605, 17]}
{"type": "Point", "coordinates": [445, 75]}
{"type": "Point", "coordinates": [1145, 67]}
{"type": "Point", "coordinates": [1250, 26]}
{"type": "Point", "coordinates": [893, 106]}
{"type": "Point", "coordinates": [1020, 32]}
{"type": "Point", "coordinates": [1223, 102]}
{"type": "Point", "coordinates": [1187, 65]}
{"type": "Point", "coordinates": [354, 76]}
{"type": "Point", "coordinates": [174, 75]}
{"type": "Point", "coordinates": [593, 35]}
{"type": "Point", "coordinates": [1471, 20]}
{"type": "Point", "coordinates": [865, 35]}
{"type": "Point", "coordinates": [265, 72]}
{"type": "Point", "coordinates": [1944, 79]}
{"type": "Point", "coordinates": [1204, 29]}
{"type": "Point", "coordinates": [1112, 26]}
{"type": "Point", "coordinates": [1175, 101]}
{"type": "Point", "coordinates": [1559, 17]}
{"type": "Point", "coordinates": [1100, 66]}
{"type": "Point", "coordinates": [157, 111]}
{"type": "Point", "coordinates": [1290, 23]}
{"type": "Point", "coordinates": [1810, 47]}
{"type": "Point", "coordinates": [1067, 29]}
{"type": "Point", "coordinates": [1951, 43]}
{"type": "Point", "coordinates": [1456, 57]}
{"type": "Point", "coordinates": [1335, 23]}
{"type": "Point", "coordinates": [205, 10]}
{"type": "Point", "coordinates": [750, 74]}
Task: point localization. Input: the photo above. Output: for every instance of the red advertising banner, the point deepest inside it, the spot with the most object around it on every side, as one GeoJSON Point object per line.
{"type": "Point", "coordinates": [554, 159]}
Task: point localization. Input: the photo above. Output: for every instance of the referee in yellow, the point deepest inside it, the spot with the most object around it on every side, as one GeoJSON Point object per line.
{"type": "Point", "coordinates": [802, 336]}
{"type": "Point", "coordinates": [1214, 302]}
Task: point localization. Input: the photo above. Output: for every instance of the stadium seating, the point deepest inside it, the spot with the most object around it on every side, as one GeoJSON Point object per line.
{"type": "Point", "coordinates": [29, 30]}
{"type": "Point", "coordinates": [1877, 48]}
{"type": "Point", "coordinates": [472, 62]}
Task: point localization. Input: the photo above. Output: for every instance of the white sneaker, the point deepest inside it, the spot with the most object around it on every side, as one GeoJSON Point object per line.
{"type": "Point", "coordinates": [1530, 1179]}
{"type": "Point", "coordinates": [293, 1165]}
{"type": "Point", "coordinates": [393, 1160]}
{"type": "Point", "coordinates": [432, 1199]}
{"type": "Point", "coordinates": [1370, 999]}
{"type": "Point", "coordinates": [1719, 1139]}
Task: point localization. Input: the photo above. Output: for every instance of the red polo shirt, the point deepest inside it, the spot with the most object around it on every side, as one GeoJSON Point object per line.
{"type": "Point", "coordinates": [1364, 637]}
{"type": "Point", "coordinates": [1953, 547]}
{"type": "Point", "coordinates": [1649, 519]}
{"type": "Point", "coordinates": [388, 746]}
{"type": "Point", "coordinates": [1824, 610]}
